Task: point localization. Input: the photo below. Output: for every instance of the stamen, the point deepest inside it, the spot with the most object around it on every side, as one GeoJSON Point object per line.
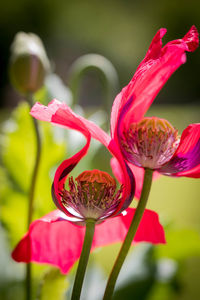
{"type": "Point", "coordinates": [150, 143]}
{"type": "Point", "coordinates": [92, 195]}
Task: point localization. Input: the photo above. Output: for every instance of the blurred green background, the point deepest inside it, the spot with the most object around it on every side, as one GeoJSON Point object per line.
{"type": "Point", "coordinates": [121, 31]}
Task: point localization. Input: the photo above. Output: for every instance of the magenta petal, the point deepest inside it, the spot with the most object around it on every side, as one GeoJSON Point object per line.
{"type": "Point", "coordinates": [152, 73]}
{"type": "Point", "coordinates": [58, 242]}
{"type": "Point", "coordinates": [193, 173]}
{"type": "Point", "coordinates": [51, 240]}
{"type": "Point", "coordinates": [186, 159]}
{"type": "Point", "coordinates": [128, 177]}
{"type": "Point", "coordinates": [138, 174]}
{"type": "Point", "coordinates": [192, 39]}
{"type": "Point", "coordinates": [116, 169]}
{"type": "Point", "coordinates": [61, 175]}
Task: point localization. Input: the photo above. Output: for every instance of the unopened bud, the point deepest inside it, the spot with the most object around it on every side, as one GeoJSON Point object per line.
{"type": "Point", "coordinates": [28, 64]}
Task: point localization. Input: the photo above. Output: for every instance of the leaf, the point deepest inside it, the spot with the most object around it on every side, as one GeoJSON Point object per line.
{"type": "Point", "coordinates": [18, 154]}
{"type": "Point", "coordinates": [53, 286]}
{"type": "Point", "coordinates": [18, 147]}
{"type": "Point", "coordinates": [11, 274]}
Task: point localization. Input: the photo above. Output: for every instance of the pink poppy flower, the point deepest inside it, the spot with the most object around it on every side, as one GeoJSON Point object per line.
{"type": "Point", "coordinates": [181, 156]}
{"type": "Point", "coordinates": [152, 142]}
{"type": "Point", "coordinates": [51, 239]}
{"type": "Point", "coordinates": [57, 238]}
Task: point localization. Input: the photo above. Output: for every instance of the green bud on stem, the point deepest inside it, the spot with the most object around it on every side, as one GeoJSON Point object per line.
{"type": "Point", "coordinates": [28, 63]}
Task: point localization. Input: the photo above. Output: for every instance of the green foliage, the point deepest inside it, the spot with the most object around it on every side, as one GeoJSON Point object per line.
{"type": "Point", "coordinates": [18, 153]}
{"type": "Point", "coordinates": [53, 286]}
{"type": "Point", "coordinates": [159, 272]}
{"type": "Point", "coordinates": [180, 244]}
{"type": "Point", "coordinates": [11, 274]}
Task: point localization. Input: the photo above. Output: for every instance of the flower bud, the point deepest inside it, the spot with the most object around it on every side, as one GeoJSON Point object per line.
{"type": "Point", "coordinates": [28, 63]}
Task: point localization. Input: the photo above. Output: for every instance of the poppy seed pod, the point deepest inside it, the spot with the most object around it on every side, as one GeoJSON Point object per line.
{"type": "Point", "coordinates": [149, 143]}
{"type": "Point", "coordinates": [28, 63]}
{"type": "Point", "coordinates": [93, 195]}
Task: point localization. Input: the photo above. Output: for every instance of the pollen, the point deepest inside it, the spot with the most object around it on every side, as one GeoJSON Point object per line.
{"type": "Point", "coordinates": [93, 194]}
{"type": "Point", "coordinates": [150, 143]}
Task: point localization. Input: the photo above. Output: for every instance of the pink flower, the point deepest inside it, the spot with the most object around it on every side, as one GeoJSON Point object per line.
{"type": "Point", "coordinates": [129, 108]}
{"type": "Point", "coordinates": [55, 240]}
{"type": "Point", "coordinates": [152, 142]}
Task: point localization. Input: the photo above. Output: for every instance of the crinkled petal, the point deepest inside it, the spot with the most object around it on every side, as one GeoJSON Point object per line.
{"type": "Point", "coordinates": [55, 241]}
{"type": "Point", "coordinates": [186, 159]}
{"type": "Point", "coordinates": [61, 114]}
{"type": "Point", "coordinates": [152, 73]}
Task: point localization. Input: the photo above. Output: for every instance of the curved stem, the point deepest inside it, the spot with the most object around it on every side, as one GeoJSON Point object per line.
{"type": "Point", "coordinates": [80, 273]}
{"type": "Point", "coordinates": [32, 191]}
{"type": "Point", "coordinates": [130, 235]}
{"type": "Point", "coordinates": [105, 71]}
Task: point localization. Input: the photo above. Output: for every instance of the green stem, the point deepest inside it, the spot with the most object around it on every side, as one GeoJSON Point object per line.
{"type": "Point", "coordinates": [32, 191]}
{"type": "Point", "coordinates": [28, 286]}
{"type": "Point", "coordinates": [130, 235]}
{"type": "Point", "coordinates": [36, 167]}
{"type": "Point", "coordinates": [80, 273]}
